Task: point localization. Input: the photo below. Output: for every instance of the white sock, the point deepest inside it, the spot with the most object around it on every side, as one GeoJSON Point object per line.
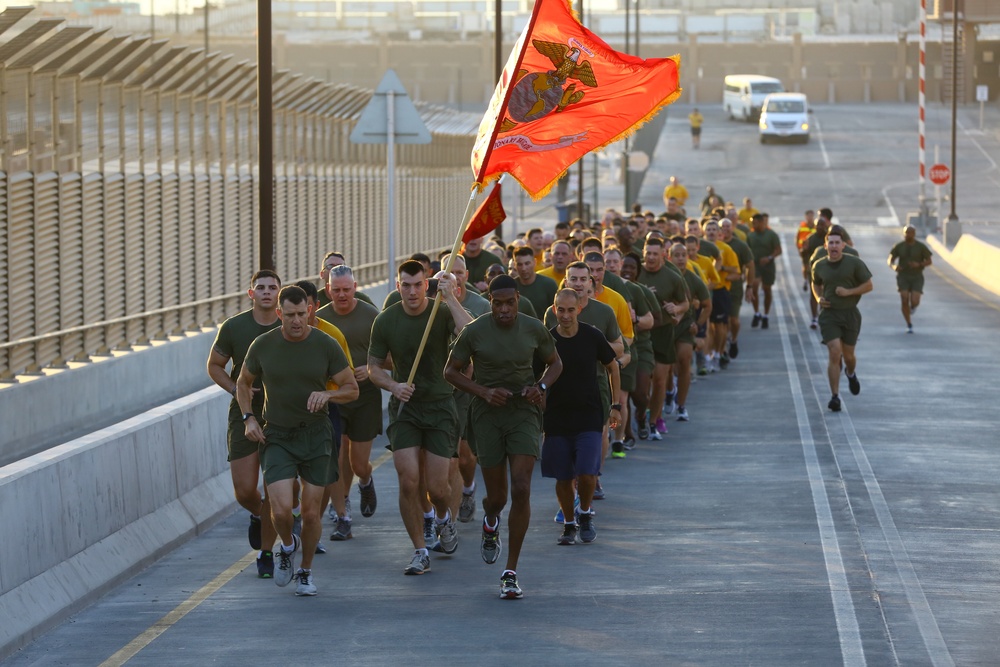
{"type": "Point", "coordinates": [297, 510]}
{"type": "Point", "coordinates": [429, 515]}
{"type": "Point", "coordinates": [288, 548]}
{"type": "Point", "coordinates": [468, 490]}
{"type": "Point", "coordinates": [447, 516]}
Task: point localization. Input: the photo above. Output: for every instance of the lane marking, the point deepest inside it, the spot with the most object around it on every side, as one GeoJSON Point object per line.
{"type": "Point", "coordinates": [963, 289]}
{"type": "Point", "coordinates": [993, 164]}
{"type": "Point", "coordinates": [927, 625]}
{"type": "Point", "coordinates": [147, 637]}
{"type": "Point", "coordinates": [822, 145]}
{"type": "Point", "coordinates": [851, 648]}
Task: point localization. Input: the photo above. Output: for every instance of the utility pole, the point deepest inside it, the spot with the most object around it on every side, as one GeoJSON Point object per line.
{"type": "Point", "coordinates": [497, 58]}
{"type": "Point", "coordinates": [952, 227]}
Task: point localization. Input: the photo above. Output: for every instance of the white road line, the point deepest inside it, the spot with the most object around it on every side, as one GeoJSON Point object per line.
{"type": "Point", "coordinates": [822, 144]}
{"type": "Point", "coordinates": [993, 164]}
{"type": "Point", "coordinates": [851, 649]}
{"type": "Point", "coordinates": [930, 633]}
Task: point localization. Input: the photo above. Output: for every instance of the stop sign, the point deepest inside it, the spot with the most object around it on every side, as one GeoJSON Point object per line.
{"type": "Point", "coordinates": [940, 173]}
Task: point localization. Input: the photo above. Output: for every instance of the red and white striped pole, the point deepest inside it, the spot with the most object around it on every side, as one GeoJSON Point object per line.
{"type": "Point", "coordinates": [922, 103]}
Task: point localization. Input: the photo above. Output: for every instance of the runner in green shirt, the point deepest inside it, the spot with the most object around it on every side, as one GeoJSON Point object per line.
{"type": "Point", "coordinates": [538, 289]}
{"type": "Point", "coordinates": [745, 256]}
{"type": "Point", "coordinates": [423, 423]}
{"type": "Point", "coordinates": [505, 418]}
{"type": "Point", "coordinates": [231, 343]}
{"type": "Point", "coordinates": [909, 258]}
{"type": "Point", "coordinates": [838, 281]}
{"type": "Point", "coordinates": [766, 247]}
{"type": "Point", "coordinates": [697, 314]}
{"type": "Point", "coordinates": [294, 364]}
{"type": "Point", "coordinates": [477, 260]}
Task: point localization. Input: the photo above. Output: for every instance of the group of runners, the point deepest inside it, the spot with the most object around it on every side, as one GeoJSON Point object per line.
{"type": "Point", "coordinates": [568, 347]}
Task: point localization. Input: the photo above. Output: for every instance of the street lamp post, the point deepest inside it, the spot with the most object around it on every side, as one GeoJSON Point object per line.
{"type": "Point", "coordinates": [952, 227]}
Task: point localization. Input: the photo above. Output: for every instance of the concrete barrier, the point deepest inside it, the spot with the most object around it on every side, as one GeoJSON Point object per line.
{"type": "Point", "coordinates": [974, 258]}
{"type": "Point", "coordinates": [80, 516]}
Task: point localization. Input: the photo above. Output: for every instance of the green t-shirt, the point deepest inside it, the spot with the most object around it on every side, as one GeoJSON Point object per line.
{"type": "Point", "coordinates": [324, 300]}
{"type": "Point", "coordinates": [475, 304]}
{"type": "Point", "coordinates": [476, 266]}
{"type": "Point", "coordinates": [745, 257]}
{"type": "Point", "coordinates": [615, 283]}
{"type": "Point", "coordinates": [906, 253]}
{"type": "Point", "coordinates": [667, 286]}
{"type": "Point", "coordinates": [850, 271]}
{"type": "Point", "coordinates": [503, 357]}
{"type": "Point", "coordinates": [596, 314]}
{"type": "Point", "coordinates": [398, 333]}
{"type": "Point", "coordinates": [541, 292]}
{"type": "Point", "coordinates": [290, 371]}
{"type": "Point", "coordinates": [233, 340]}
{"type": "Point", "coordinates": [525, 308]}
{"type": "Point", "coordinates": [709, 249]}
{"type": "Point", "coordinates": [763, 243]}
{"type": "Point", "coordinates": [357, 329]}
{"type": "Point", "coordinates": [699, 292]}
{"type": "Point", "coordinates": [648, 300]}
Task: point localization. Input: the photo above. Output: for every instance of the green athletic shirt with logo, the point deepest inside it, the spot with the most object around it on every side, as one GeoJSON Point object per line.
{"type": "Point", "coordinates": [906, 253]}
{"type": "Point", "coordinates": [357, 329]}
{"type": "Point", "coordinates": [290, 371]}
{"type": "Point", "coordinates": [699, 292]}
{"type": "Point", "coordinates": [398, 333]}
{"type": "Point", "coordinates": [503, 357]}
{"type": "Point", "coordinates": [667, 284]}
{"type": "Point", "coordinates": [849, 272]}
{"type": "Point", "coordinates": [233, 340]}
{"type": "Point", "coordinates": [476, 266]}
{"type": "Point", "coordinates": [763, 244]}
{"type": "Point", "coordinates": [541, 292]}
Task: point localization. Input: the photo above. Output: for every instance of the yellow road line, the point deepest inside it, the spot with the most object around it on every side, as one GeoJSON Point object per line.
{"type": "Point", "coordinates": [962, 289]}
{"type": "Point", "coordinates": [129, 651]}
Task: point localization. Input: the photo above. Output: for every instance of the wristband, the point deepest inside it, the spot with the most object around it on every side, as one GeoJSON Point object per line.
{"type": "Point", "coordinates": [616, 406]}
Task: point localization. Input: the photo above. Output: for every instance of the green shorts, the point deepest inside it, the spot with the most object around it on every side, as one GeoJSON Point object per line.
{"type": "Point", "coordinates": [627, 375]}
{"type": "Point", "coordinates": [682, 334]}
{"type": "Point", "coordinates": [844, 324]}
{"type": "Point", "coordinates": [645, 351]}
{"type": "Point", "coordinates": [736, 298]}
{"type": "Point", "coordinates": [663, 344]}
{"type": "Point", "coordinates": [462, 402]}
{"type": "Point", "coordinates": [361, 419]}
{"type": "Point", "coordinates": [432, 425]}
{"type": "Point", "coordinates": [910, 282]}
{"type": "Point", "coordinates": [304, 452]}
{"type": "Point", "coordinates": [495, 433]}
{"type": "Point", "coordinates": [238, 444]}
{"type": "Point", "coordinates": [765, 273]}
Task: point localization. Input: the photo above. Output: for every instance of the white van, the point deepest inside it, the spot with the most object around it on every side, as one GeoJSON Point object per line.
{"type": "Point", "coordinates": [744, 95]}
{"type": "Point", "coordinates": [784, 116]}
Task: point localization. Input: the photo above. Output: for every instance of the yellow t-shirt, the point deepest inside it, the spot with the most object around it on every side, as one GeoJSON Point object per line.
{"type": "Point", "coordinates": [706, 267]}
{"type": "Point", "coordinates": [740, 234]}
{"type": "Point", "coordinates": [623, 315]}
{"type": "Point", "coordinates": [553, 273]}
{"type": "Point", "coordinates": [678, 192]}
{"type": "Point", "coordinates": [335, 333]}
{"type": "Point", "coordinates": [696, 119]}
{"type": "Point", "coordinates": [729, 258]}
{"type": "Point", "coordinates": [744, 214]}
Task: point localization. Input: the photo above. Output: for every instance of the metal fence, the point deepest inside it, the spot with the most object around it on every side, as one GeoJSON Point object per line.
{"type": "Point", "coordinates": [128, 188]}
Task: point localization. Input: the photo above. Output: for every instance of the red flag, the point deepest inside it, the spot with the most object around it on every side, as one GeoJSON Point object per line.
{"type": "Point", "coordinates": [563, 93]}
{"type": "Point", "coordinates": [487, 217]}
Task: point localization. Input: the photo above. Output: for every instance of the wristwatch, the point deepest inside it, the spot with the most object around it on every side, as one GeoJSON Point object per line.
{"type": "Point", "coordinates": [246, 416]}
{"type": "Point", "coordinates": [616, 406]}
{"type": "Point", "coordinates": [543, 386]}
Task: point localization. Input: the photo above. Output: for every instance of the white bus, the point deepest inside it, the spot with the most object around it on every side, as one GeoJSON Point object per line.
{"type": "Point", "coordinates": [744, 95]}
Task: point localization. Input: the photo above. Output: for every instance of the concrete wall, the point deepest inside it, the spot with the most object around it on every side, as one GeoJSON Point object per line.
{"type": "Point", "coordinates": [974, 258]}
{"type": "Point", "coordinates": [82, 515]}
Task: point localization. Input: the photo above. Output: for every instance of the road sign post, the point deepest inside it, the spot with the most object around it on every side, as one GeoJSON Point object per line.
{"type": "Point", "coordinates": [390, 118]}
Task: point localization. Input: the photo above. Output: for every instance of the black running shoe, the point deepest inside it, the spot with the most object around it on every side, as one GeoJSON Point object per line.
{"type": "Point", "coordinates": [568, 535]}
{"type": "Point", "coordinates": [734, 350]}
{"type": "Point", "coordinates": [854, 384]}
{"type": "Point", "coordinates": [834, 404]}
{"type": "Point", "coordinates": [763, 322]}
{"type": "Point", "coordinates": [755, 322]}
{"type": "Point", "coordinates": [369, 499]}
{"type": "Point", "coordinates": [253, 532]}
{"type": "Point", "coordinates": [265, 565]}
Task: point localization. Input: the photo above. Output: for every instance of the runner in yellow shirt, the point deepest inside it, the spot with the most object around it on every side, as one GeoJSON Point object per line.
{"type": "Point", "coordinates": [696, 120]}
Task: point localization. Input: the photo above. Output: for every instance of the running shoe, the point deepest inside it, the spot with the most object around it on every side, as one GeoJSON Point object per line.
{"type": "Point", "coordinates": [702, 370]}
{"type": "Point", "coordinates": [723, 362]}
{"type": "Point", "coordinates": [598, 492]}
{"type": "Point", "coordinates": [331, 512]}
{"type": "Point", "coordinates": [369, 501]}
{"type": "Point", "coordinates": [643, 429]}
{"type": "Point", "coordinates": [854, 384]}
{"type": "Point", "coordinates": [655, 435]}
{"type": "Point", "coordinates": [763, 322]}
{"type": "Point", "coordinates": [668, 404]}
{"type": "Point", "coordinates": [288, 562]}
{"type": "Point", "coordinates": [617, 449]}
{"type": "Point", "coordinates": [342, 532]}
{"type": "Point", "coordinates": [834, 404]}
{"type": "Point", "coordinates": [491, 546]}
{"type": "Point", "coordinates": [661, 426]}
{"type": "Point", "coordinates": [253, 532]}
{"type": "Point", "coordinates": [588, 533]}
{"type": "Point", "coordinates": [420, 563]}
{"type": "Point", "coordinates": [320, 549]}
{"type": "Point", "coordinates": [682, 414]}
{"type": "Point", "coordinates": [755, 322]}
{"type": "Point", "coordinates": [265, 565]}
{"type": "Point", "coordinates": [909, 328]}
{"type": "Point", "coordinates": [734, 350]}
{"type": "Point", "coordinates": [509, 590]}
{"type": "Point", "coordinates": [430, 535]}
{"type": "Point", "coordinates": [559, 515]}
{"type": "Point", "coordinates": [467, 508]}
{"type": "Point", "coordinates": [814, 324]}
{"type": "Point", "coordinates": [304, 585]}
{"type": "Point", "coordinates": [297, 524]}
{"type": "Point", "coordinates": [568, 536]}
{"type": "Point", "coordinates": [447, 536]}
{"type": "Point", "coordinates": [629, 444]}
{"type": "Point", "coordinates": [347, 508]}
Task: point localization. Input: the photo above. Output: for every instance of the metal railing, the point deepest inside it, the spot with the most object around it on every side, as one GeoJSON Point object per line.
{"type": "Point", "coordinates": [128, 188]}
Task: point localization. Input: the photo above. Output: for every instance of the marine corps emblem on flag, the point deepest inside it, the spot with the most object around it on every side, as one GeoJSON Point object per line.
{"type": "Point", "coordinates": [537, 94]}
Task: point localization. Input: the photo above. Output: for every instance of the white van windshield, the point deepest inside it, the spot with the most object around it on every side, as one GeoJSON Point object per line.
{"type": "Point", "coordinates": [767, 88]}
{"type": "Point", "coordinates": [785, 106]}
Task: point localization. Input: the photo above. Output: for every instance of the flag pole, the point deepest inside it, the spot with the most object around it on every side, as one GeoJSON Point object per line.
{"type": "Point", "coordinates": [437, 297]}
